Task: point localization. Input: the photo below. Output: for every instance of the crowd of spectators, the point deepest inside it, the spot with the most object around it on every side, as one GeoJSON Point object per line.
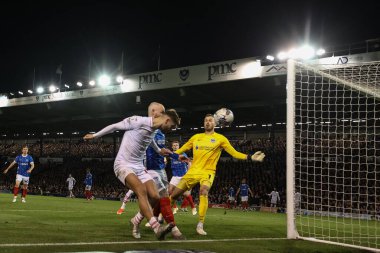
{"type": "Point", "coordinates": [63, 148]}
{"type": "Point", "coordinates": [338, 172]}
{"type": "Point", "coordinates": [334, 172]}
{"type": "Point", "coordinates": [50, 178]}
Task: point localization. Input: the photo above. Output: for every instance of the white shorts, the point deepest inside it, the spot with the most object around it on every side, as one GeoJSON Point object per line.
{"type": "Point", "coordinates": [24, 179]}
{"type": "Point", "coordinates": [87, 188]}
{"type": "Point", "coordinates": [71, 188]}
{"type": "Point", "coordinates": [160, 179]}
{"type": "Point", "coordinates": [231, 198]}
{"type": "Point", "coordinates": [244, 198]}
{"type": "Point", "coordinates": [175, 180]}
{"type": "Point", "coordinates": [123, 170]}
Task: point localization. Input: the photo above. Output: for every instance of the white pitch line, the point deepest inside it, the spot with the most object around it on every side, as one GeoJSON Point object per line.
{"type": "Point", "coordinates": [55, 211]}
{"type": "Point", "coordinates": [133, 242]}
{"type": "Point", "coordinates": [348, 237]}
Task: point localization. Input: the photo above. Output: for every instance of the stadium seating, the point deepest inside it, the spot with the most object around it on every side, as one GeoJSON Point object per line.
{"type": "Point", "coordinates": [50, 178]}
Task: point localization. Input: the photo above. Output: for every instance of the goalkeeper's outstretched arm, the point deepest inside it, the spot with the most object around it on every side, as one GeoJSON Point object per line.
{"type": "Point", "coordinates": [187, 146]}
{"type": "Point", "coordinates": [226, 145]}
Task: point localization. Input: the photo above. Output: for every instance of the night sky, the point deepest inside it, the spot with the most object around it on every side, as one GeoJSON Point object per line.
{"type": "Point", "coordinates": [43, 35]}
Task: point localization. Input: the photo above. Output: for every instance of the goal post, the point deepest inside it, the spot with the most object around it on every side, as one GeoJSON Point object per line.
{"type": "Point", "coordinates": [333, 153]}
{"type": "Point", "coordinates": [290, 122]}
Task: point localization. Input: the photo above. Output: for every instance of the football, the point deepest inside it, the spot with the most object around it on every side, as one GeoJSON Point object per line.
{"type": "Point", "coordinates": [223, 117]}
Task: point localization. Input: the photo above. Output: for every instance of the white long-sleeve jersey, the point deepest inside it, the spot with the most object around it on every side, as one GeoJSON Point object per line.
{"type": "Point", "coordinates": [138, 135]}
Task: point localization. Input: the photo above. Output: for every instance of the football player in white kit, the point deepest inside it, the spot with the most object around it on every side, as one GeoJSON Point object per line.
{"type": "Point", "coordinates": [71, 181]}
{"type": "Point", "coordinates": [155, 164]}
{"type": "Point", "coordinates": [129, 167]}
{"type": "Point", "coordinates": [154, 110]}
{"type": "Point", "coordinates": [275, 198]}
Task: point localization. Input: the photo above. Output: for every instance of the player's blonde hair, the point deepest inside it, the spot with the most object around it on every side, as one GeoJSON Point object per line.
{"type": "Point", "coordinates": [155, 106]}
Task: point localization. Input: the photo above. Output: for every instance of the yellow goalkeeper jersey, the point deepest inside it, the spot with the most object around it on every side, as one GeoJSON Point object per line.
{"type": "Point", "coordinates": [207, 149]}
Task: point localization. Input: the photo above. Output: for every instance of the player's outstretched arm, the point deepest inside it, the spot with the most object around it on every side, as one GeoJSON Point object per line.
{"type": "Point", "coordinates": [258, 156]}
{"type": "Point", "coordinates": [182, 158]}
{"type": "Point", "coordinates": [107, 130]}
{"type": "Point", "coordinates": [9, 167]}
{"type": "Point", "coordinates": [226, 145]}
{"type": "Point", "coordinates": [88, 137]}
{"type": "Point", "coordinates": [187, 146]}
{"type": "Point", "coordinates": [125, 125]}
{"type": "Point", "coordinates": [161, 151]}
{"type": "Point", "coordinates": [165, 152]}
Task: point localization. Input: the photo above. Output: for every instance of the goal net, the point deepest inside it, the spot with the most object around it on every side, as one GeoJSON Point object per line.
{"type": "Point", "coordinates": [333, 153]}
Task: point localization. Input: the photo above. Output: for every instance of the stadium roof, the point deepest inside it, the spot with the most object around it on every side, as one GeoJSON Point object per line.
{"type": "Point", "coordinates": [257, 98]}
{"type": "Point", "coordinates": [252, 101]}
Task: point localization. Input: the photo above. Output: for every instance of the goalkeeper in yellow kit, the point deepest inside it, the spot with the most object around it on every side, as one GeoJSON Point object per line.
{"type": "Point", "coordinates": [207, 148]}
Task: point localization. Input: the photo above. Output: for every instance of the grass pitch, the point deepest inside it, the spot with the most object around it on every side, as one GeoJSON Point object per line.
{"type": "Point", "coordinates": [51, 224]}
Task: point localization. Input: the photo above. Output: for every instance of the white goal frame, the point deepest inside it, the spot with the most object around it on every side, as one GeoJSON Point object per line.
{"type": "Point", "coordinates": [292, 66]}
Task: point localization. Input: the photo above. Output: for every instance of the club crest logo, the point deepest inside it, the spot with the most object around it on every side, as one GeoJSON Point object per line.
{"type": "Point", "coordinates": [184, 74]}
